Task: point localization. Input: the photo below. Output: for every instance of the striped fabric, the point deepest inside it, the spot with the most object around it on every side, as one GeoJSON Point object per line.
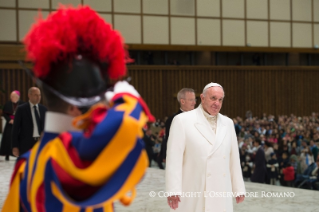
{"type": "Point", "coordinates": [87, 171]}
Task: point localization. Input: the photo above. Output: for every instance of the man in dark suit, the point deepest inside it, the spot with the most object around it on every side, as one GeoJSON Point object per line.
{"type": "Point", "coordinates": [28, 123]}
{"type": "Point", "coordinates": [260, 164]}
{"type": "Point", "coordinates": [187, 101]}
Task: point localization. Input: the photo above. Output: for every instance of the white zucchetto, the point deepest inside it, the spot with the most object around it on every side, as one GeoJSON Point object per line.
{"type": "Point", "coordinates": [212, 84]}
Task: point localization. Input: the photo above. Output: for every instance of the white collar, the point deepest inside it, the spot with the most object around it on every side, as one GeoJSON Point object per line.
{"type": "Point", "coordinates": [207, 115]}
{"type": "Point", "coordinates": [58, 122]}
{"type": "Point", "coordinates": [31, 105]}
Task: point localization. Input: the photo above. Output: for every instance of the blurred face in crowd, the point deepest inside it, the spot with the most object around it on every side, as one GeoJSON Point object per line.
{"type": "Point", "coordinates": [148, 132]}
{"type": "Point", "coordinates": [188, 102]}
{"type": "Point", "coordinates": [14, 97]}
{"type": "Point", "coordinates": [304, 144]}
{"type": "Point", "coordinates": [34, 95]}
{"type": "Point", "coordinates": [212, 100]}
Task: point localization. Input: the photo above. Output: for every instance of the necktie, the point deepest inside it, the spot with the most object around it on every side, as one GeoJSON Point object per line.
{"type": "Point", "coordinates": [37, 118]}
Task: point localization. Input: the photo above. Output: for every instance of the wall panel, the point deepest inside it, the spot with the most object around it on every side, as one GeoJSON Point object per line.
{"type": "Point", "coordinates": [101, 6]}
{"type": "Point", "coordinates": [257, 9]}
{"type": "Point", "coordinates": [107, 18]}
{"type": "Point", "coordinates": [26, 19]}
{"type": "Point", "coordinates": [182, 7]}
{"type": "Point", "coordinates": [208, 32]}
{"type": "Point", "coordinates": [233, 33]}
{"type": "Point", "coordinates": [233, 8]}
{"type": "Point", "coordinates": [14, 79]}
{"type": "Point", "coordinates": [6, 3]}
{"type": "Point", "coordinates": [183, 31]}
{"type": "Point", "coordinates": [257, 33]}
{"type": "Point", "coordinates": [208, 8]}
{"type": "Point", "coordinates": [280, 35]}
{"type": "Point", "coordinates": [155, 7]}
{"type": "Point", "coordinates": [123, 23]}
{"type": "Point", "coordinates": [155, 30]}
{"type": "Point", "coordinates": [127, 6]}
{"type": "Point", "coordinates": [44, 4]}
{"type": "Point", "coordinates": [241, 84]}
{"type": "Point", "coordinates": [302, 34]}
{"type": "Point", "coordinates": [158, 85]}
{"type": "Point", "coordinates": [315, 10]}
{"type": "Point", "coordinates": [301, 10]}
{"type": "Point", "coordinates": [316, 34]}
{"type": "Point", "coordinates": [9, 23]}
{"type": "Point", "coordinates": [280, 10]}
{"type": "Point", "coordinates": [74, 3]}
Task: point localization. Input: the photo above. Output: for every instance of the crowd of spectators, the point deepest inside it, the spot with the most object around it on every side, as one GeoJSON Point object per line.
{"type": "Point", "coordinates": [290, 146]}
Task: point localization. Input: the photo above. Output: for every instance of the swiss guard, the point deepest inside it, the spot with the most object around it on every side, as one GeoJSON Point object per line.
{"type": "Point", "coordinates": [91, 152]}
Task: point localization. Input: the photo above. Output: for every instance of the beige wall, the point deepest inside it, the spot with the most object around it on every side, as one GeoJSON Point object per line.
{"type": "Point", "coordinates": [255, 23]}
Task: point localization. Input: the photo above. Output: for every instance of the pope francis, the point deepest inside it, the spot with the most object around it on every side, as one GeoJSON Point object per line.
{"type": "Point", "coordinates": [202, 166]}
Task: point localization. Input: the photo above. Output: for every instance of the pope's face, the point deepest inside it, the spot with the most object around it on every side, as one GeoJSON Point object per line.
{"type": "Point", "coordinates": [212, 100]}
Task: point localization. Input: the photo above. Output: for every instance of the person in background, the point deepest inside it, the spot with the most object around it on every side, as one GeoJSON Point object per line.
{"type": "Point", "coordinates": [306, 158]}
{"type": "Point", "coordinates": [9, 110]}
{"type": "Point", "coordinates": [246, 167]}
{"type": "Point", "coordinates": [149, 142]}
{"type": "Point", "coordinates": [289, 175]}
{"type": "Point", "coordinates": [28, 123]}
{"type": "Point", "coordinates": [268, 150]}
{"type": "Point", "coordinates": [272, 169]}
{"type": "Point", "coordinates": [283, 162]}
{"type": "Point", "coordinates": [187, 101]}
{"type": "Point", "coordinates": [259, 164]}
{"type": "Point", "coordinates": [314, 149]}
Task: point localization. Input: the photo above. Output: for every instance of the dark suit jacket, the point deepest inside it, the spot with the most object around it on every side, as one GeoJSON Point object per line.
{"type": "Point", "coordinates": [167, 128]}
{"type": "Point", "coordinates": [22, 132]}
{"type": "Point", "coordinates": [149, 146]}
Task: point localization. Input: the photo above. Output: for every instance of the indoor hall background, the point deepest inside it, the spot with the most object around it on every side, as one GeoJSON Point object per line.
{"type": "Point", "coordinates": [273, 90]}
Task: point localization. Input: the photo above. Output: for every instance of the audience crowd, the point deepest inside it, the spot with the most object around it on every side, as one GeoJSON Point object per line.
{"type": "Point", "coordinates": [289, 145]}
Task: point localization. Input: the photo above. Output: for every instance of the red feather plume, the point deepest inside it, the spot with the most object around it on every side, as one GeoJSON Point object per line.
{"type": "Point", "coordinates": [72, 31]}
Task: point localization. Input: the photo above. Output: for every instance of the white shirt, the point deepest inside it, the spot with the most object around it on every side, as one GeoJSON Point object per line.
{"type": "Point", "coordinates": [35, 126]}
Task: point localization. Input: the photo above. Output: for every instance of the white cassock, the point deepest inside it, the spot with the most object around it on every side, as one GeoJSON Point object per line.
{"type": "Point", "coordinates": [200, 161]}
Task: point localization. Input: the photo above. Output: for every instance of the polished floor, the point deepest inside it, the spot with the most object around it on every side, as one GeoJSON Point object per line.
{"type": "Point", "coordinates": [153, 183]}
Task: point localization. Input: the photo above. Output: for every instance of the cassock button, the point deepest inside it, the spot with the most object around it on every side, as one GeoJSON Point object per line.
{"type": "Point", "coordinates": [224, 157]}
{"type": "Point", "coordinates": [224, 175]}
{"type": "Point", "coordinates": [208, 175]}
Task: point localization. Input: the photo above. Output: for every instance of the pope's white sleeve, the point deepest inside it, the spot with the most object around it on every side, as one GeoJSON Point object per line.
{"type": "Point", "coordinates": [238, 185]}
{"type": "Point", "coordinates": [174, 158]}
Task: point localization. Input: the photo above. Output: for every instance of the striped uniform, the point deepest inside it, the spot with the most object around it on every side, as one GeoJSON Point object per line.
{"type": "Point", "coordinates": [87, 170]}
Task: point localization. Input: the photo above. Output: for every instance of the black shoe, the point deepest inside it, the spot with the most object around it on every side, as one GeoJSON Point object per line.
{"type": "Point", "coordinates": [7, 157]}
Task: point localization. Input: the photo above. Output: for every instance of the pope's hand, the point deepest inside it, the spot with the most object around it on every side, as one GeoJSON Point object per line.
{"type": "Point", "coordinates": [172, 201]}
{"type": "Point", "coordinates": [240, 199]}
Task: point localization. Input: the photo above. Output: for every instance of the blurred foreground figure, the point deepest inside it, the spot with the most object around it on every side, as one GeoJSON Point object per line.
{"type": "Point", "coordinates": [88, 162]}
